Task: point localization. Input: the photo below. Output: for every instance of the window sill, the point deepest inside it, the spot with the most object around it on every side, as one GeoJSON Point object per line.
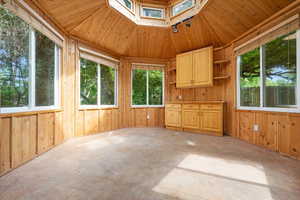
{"type": "Point", "coordinates": [145, 106]}
{"type": "Point", "coordinates": [11, 112]}
{"type": "Point", "coordinates": [282, 110]}
{"type": "Point", "coordinates": [83, 108]}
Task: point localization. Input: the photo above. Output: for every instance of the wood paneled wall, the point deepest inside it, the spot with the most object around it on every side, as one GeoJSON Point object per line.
{"type": "Point", "coordinates": [276, 131]}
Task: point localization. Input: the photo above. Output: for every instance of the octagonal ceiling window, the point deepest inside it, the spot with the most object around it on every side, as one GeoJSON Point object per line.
{"type": "Point", "coordinates": [158, 13]}
{"type": "Point", "coordinates": [127, 3]}
{"type": "Point", "coordinates": [145, 12]}
{"type": "Point", "coordinates": [182, 6]}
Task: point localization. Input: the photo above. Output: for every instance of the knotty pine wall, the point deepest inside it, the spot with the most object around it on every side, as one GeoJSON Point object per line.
{"type": "Point", "coordinates": [278, 131]}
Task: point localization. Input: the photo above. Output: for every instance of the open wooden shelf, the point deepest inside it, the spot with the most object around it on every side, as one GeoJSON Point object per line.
{"type": "Point", "coordinates": [222, 77]}
{"type": "Point", "coordinates": [219, 48]}
{"type": "Point", "coordinates": [221, 61]}
{"type": "Point", "coordinates": [172, 69]}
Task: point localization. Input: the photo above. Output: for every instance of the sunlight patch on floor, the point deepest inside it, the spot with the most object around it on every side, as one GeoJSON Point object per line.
{"type": "Point", "coordinates": [225, 168]}
{"type": "Point", "coordinates": [205, 178]}
{"type": "Point", "coordinates": [103, 142]}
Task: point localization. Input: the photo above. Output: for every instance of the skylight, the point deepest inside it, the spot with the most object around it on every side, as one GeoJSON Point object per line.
{"type": "Point", "coordinates": [182, 6]}
{"type": "Point", "coordinates": [153, 12]}
{"type": "Point", "coordinates": [164, 15]}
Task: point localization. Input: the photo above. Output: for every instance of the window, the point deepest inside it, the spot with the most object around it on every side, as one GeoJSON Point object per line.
{"type": "Point", "coordinates": [147, 87]}
{"type": "Point", "coordinates": [268, 74]}
{"type": "Point", "coordinates": [182, 6]}
{"type": "Point", "coordinates": [29, 64]}
{"type": "Point", "coordinates": [97, 84]}
{"type": "Point", "coordinates": [127, 3]}
{"type": "Point", "coordinates": [153, 12]}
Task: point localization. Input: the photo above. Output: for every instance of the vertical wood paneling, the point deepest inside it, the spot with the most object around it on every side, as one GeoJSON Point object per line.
{"type": "Point", "coordinates": [45, 132]}
{"type": "Point", "coordinates": [295, 136]}
{"type": "Point", "coordinates": [58, 133]}
{"type": "Point", "coordinates": [140, 117]}
{"type": "Point", "coordinates": [91, 121]}
{"type": "Point", "coordinates": [5, 127]}
{"type": "Point", "coordinates": [24, 139]}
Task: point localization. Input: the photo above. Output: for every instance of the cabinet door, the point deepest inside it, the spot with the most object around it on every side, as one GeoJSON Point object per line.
{"type": "Point", "coordinates": [211, 120]}
{"type": "Point", "coordinates": [203, 67]}
{"type": "Point", "coordinates": [173, 118]}
{"type": "Point", "coordinates": [184, 70]}
{"type": "Point", "coordinates": [190, 119]}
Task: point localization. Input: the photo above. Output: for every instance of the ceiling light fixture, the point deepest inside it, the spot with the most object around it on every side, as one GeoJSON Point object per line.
{"type": "Point", "coordinates": [174, 28]}
{"type": "Point", "coordinates": [188, 21]}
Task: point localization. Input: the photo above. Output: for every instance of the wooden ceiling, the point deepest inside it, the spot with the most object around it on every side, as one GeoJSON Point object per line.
{"type": "Point", "coordinates": [219, 23]}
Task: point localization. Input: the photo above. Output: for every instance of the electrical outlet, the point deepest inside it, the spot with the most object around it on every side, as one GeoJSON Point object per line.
{"type": "Point", "coordinates": [179, 97]}
{"type": "Point", "coordinates": [148, 117]}
{"type": "Point", "coordinates": [255, 127]}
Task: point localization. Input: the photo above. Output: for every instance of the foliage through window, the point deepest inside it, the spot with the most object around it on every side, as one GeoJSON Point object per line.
{"type": "Point", "coordinates": [20, 46]}
{"type": "Point", "coordinates": [153, 12]}
{"type": "Point", "coordinates": [268, 74]}
{"type": "Point", "coordinates": [97, 84]}
{"type": "Point", "coordinates": [147, 87]}
{"type": "Point", "coordinates": [182, 6]}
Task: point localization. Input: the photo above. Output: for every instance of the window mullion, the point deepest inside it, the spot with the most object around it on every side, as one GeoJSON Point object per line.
{"type": "Point", "coordinates": [32, 69]}
{"type": "Point", "coordinates": [56, 76]}
{"type": "Point", "coordinates": [262, 76]}
{"type": "Point", "coordinates": [147, 86]}
{"type": "Point", "coordinates": [298, 69]}
{"type": "Point", "coordinates": [98, 85]}
{"type": "Point", "coordinates": [238, 75]}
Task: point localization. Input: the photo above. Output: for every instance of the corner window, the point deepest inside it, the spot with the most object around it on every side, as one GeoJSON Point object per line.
{"type": "Point", "coordinates": [157, 13]}
{"type": "Point", "coordinates": [182, 6]}
{"type": "Point", "coordinates": [127, 3]}
{"type": "Point", "coordinates": [98, 84]}
{"type": "Point", "coordinates": [147, 87]}
{"type": "Point", "coordinates": [29, 67]}
{"type": "Point", "coordinates": [268, 74]}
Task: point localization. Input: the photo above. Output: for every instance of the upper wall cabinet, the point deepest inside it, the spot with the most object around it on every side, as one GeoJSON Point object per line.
{"type": "Point", "coordinates": [195, 68]}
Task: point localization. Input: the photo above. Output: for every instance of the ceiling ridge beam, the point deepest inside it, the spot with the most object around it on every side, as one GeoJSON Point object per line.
{"type": "Point", "coordinates": [85, 19]}
{"type": "Point", "coordinates": [212, 29]}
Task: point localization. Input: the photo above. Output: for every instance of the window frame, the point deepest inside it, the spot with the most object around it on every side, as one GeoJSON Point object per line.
{"type": "Point", "coordinates": [295, 109]}
{"type": "Point", "coordinates": [147, 89]}
{"type": "Point", "coordinates": [99, 105]}
{"type": "Point", "coordinates": [153, 8]}
{"type": "Point", "coordinates": [124, 5]}
{"type": "Point", "coordinates": [31, 80]}
{"type": "Point", "coordinates": [179, 3]}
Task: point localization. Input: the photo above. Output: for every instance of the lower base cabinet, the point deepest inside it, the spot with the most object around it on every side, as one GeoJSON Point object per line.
{"type": "Point", "coordinates": [196, 117]}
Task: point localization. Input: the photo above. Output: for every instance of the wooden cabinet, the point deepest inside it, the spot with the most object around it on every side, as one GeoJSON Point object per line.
{"type": "Point", "coordinates": [184, 70]}
{"type": "Point", "coordinates": [190, 116]}
{"type": "Point", "coordinates": [211, 120]}
{"type": "Point", "coordinates": [173, 115]}
{"type": "Point", "coordinates": [196, 117]}
{"type": "Point", "coordinates": [195, 68]}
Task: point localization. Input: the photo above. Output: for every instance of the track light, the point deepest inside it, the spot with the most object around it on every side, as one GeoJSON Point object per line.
{"type": "Point", "coordinates": [174, 28]}
{"type": "Point", "coordinates": [188, 22]}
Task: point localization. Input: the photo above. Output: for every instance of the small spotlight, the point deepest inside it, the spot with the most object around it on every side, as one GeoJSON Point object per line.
{"type": "Point", "coordinates": [174, 28]}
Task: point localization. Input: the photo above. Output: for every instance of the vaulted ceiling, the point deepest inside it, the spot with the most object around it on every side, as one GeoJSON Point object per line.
{"type": "Point", "coordinates": [217, 24]}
